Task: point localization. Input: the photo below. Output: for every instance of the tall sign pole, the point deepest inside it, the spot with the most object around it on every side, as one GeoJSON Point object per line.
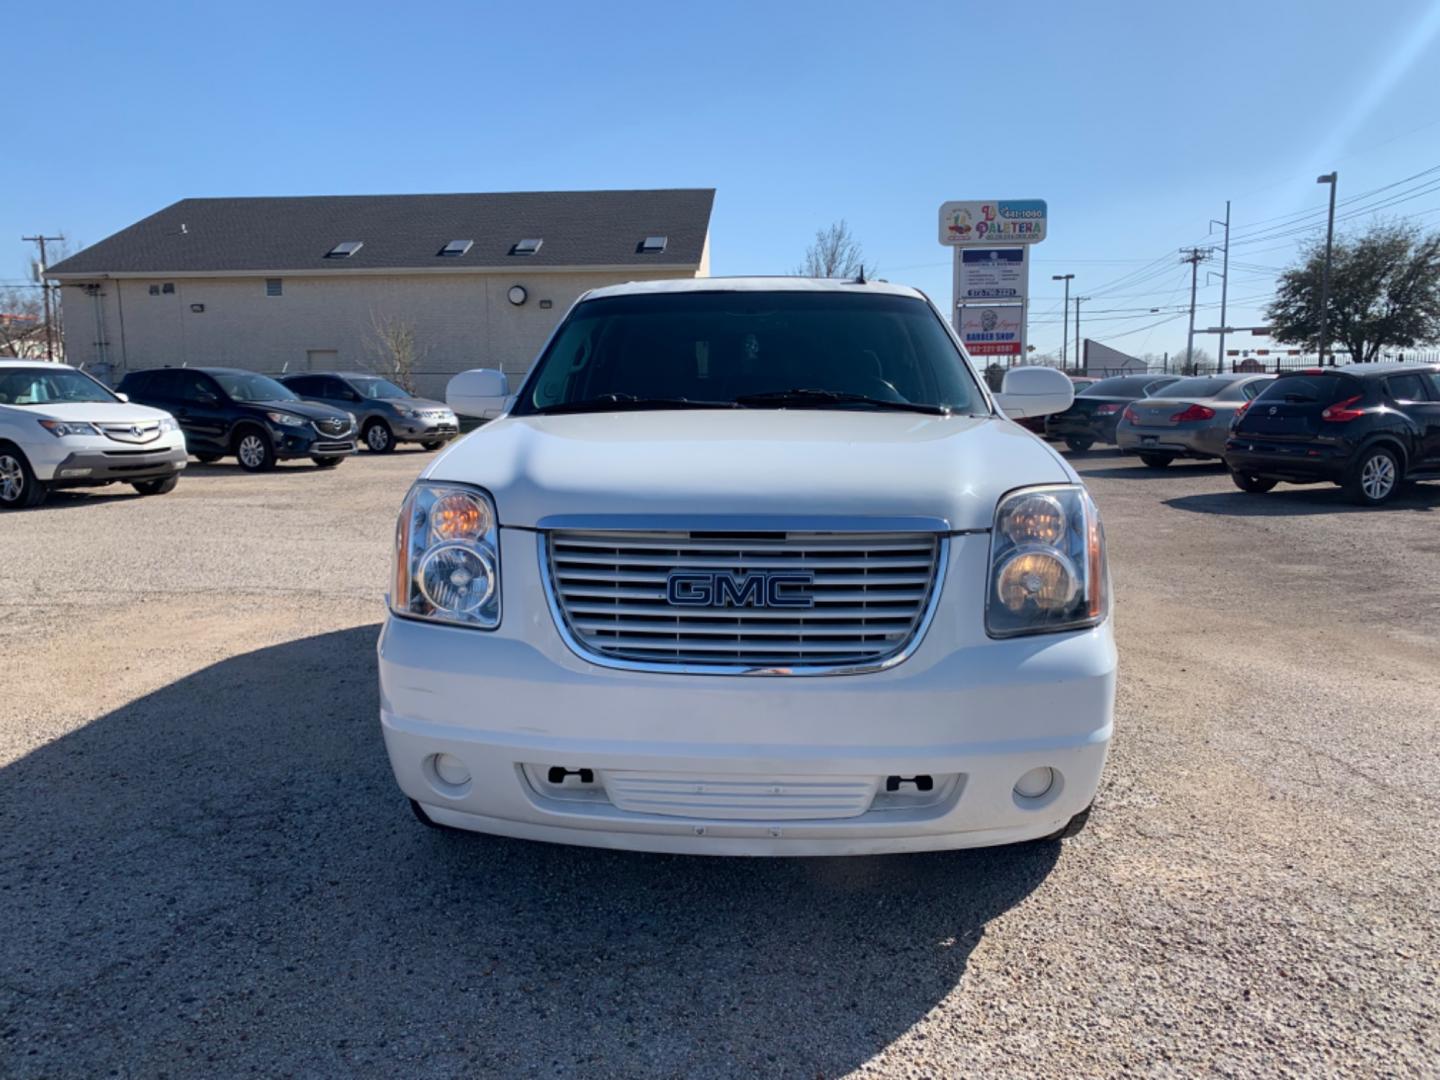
{"type": "Point", "coordinates": [990, 300]}
{"type": "Point", "coordinates": [45, 290]}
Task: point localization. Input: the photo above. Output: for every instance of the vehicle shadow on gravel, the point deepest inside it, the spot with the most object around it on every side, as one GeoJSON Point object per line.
{"type": "Point", "coordinates": [1139, 471]}
{"type": "Point", "coordinates": [222, 877]}
{"type": "Point", "coordinates": [1302, 501]}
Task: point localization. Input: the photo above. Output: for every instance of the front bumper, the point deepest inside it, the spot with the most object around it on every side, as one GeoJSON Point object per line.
{"type": "Point", "coordinates": [296, 442]}
{"type": "Point", "coordinates": [425, 429]}
{"type": "Point", "coordinates": [737, 765]}
{"type": "Point", "coordinates": [92, 467]}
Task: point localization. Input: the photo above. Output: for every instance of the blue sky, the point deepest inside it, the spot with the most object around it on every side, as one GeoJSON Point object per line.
{"type": "Point", "coordinates": [1135, 121]}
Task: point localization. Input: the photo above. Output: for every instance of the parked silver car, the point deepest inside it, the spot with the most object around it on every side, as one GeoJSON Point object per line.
{"type": "Point", "coordinates": [387, 414]}
{"type": "Point", "coordinates": [1190, 418]}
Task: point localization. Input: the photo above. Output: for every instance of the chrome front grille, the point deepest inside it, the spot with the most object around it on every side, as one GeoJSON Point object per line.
{"type": "Point", "coordinates": [332, 426]}
{"type": "Point", "coordinates": [872, 594]}
{"type": "Point", "coordinates": [143, 432]}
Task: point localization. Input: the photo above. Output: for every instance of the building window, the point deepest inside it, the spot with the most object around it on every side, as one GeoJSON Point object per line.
{"type": "Point", "coordinates": [154, 290]}
{"type": "Point", "coordinates": [345, 250]}
{"type": "Point", "coordinates": [168, 288]}
{"type": "Point", "coordinates": [274, 286]}
{"type": "Point", "coordinates": [653, 245]}
{"type": "Point", "coordinates": [527, 247]}
{"type": "Point", "coordinates": [455, 248]}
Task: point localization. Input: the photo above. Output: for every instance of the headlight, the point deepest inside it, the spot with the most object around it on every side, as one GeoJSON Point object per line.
{"type": "Point", "coordinates": [447, 556]}
{"type": "Point", "coordinates": [285, 419]}
{"type": "Point", "coordinates": [1047, 563]}
{"type": "Point", "coordinates": [167, 423]}
{"type": "Point", "coordinates": [61, 428]}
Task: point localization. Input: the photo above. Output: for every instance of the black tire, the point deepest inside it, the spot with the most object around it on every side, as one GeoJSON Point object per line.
{"type": "Point", "coordinates": [1078, 444]}
{"type": "Point", "coordinates": [1374, 477]}
{"type": "Point", "coordinates": [433, 444]}
{"type": "Point", "coordinates": [19, 490]}
{"type": "Point", "coordinates": [208, 459]}
{"type": "Point", "coordinates": [1252, 484]}
{"type": "Point", "coordinates": [1074, 826]}
{"type": "Point", "coordinates": [326, 461]}
{"type": "Point", "coordinates": [1157, 461]}
{"type": "Point", "coordinates": [379, 439]}
{"type": "Point", "coordinates": [163, 486]}
{"type": "Point", "coordinates": [254, 450]}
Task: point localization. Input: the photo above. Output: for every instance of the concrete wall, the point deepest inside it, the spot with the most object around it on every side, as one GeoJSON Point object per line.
{"type": "Point", "coordinates": [461, 320]}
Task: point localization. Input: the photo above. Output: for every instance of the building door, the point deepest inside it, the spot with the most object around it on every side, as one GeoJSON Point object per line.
{"type": "Point", "coordinates": [322, 359]}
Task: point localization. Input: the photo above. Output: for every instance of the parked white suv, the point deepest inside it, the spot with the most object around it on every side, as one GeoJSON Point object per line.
{"type": "Point", "coordinates": [751, 567]}
{"type": "Point", "coordinates": [59, 428]}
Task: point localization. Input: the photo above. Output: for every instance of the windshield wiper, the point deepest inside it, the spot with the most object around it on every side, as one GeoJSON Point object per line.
{"type": "Point", "coordinates": [806, 396]}
{"type": "Point", "coordinates": [619, 402]}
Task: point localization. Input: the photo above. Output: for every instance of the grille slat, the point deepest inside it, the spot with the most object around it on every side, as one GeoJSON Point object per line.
{"type": "Point", "coordinates": [870, 591]}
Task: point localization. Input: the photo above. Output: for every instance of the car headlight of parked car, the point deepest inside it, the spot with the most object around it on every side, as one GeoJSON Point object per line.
{"type": "Point", "coordinates": [447, 557]}
{"type": "Point", "coordinates": [167, 423]}
{"type": "Point", "coordinates": [63, 428]}
{"type": "Point", "coordinates": [1047, 563]}
{"type": "Point", "coordinates": [285, 419]}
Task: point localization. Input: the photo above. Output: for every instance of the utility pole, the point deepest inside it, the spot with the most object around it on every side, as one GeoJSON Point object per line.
{"type": "Point", "coordinates": [1224, 288]}
{"type": "Point", "coordinates": [1079, 352]}
{"type": "Point", "coordinates": [1331, 179]}
{"type": "Point", "coordinates": [1064, 338]}
{"type": "Point", "coordinates": [45, 291]}
{"type": "Point", "coordinates": [1194, 256]}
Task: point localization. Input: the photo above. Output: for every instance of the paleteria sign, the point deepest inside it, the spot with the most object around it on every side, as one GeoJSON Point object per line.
{"type": "Point", "coordinates": [992, 222]}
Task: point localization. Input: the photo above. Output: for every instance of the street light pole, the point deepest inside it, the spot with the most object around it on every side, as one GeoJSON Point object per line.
{"type": "Point", "coordinates": [1065, 318]}
{"type": "Point", "coordinates": [1079, 352]}
{"type": "Point", "coordinates": [45, 290]}
{"type": "Point", "coordinates": [1224, 289]}
{"type": "Point", "coordinates": [1328, 178]}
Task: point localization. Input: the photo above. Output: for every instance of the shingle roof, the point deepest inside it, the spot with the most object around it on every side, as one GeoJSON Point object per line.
{"type": "Point", "coordinates": [403, 232]}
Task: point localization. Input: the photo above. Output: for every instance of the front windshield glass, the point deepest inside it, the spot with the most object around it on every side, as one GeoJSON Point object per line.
{"type": "Point", "coordinates": [50, 386]}
{"type": "Point", "coordinates": [243, 386]}
{"type": "Point", "coordinates": [368, 386]}
{"type": "Point", "coordinates": [664, 350]}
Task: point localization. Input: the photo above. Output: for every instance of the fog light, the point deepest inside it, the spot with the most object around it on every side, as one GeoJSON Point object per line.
{"type": "Point", "coordinates": [453, 771]}
{"type": "Point", "coordinates": [1035, 783]}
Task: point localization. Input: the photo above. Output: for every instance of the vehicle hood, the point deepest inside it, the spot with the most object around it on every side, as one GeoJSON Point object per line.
{"type": "Point", "coordinates": [311, 410]}
{"type": "Point", "coordinates": [419, 403]}
{"type": "Point", "coordinates": [545, 471]}
{"type": "Point", "coordinates": [102, 412]}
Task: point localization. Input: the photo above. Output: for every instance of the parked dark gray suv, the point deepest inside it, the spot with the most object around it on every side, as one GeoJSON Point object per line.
{"type": "Point", "coordinates": [388, 414]}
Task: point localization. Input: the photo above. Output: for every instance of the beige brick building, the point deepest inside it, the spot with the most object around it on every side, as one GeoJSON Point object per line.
{"type": "Point", "coordinates": [278, 284]}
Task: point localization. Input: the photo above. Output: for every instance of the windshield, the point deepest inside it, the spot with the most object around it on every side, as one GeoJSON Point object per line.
{"type": "Point", "coordinates": [242, 386]}
{"type": "Point", "coordinates": [1308, 389]}
{"type": "Point", "coordinates": [1118, 386]}
{"type": "Point", "coordinates": [49, 386]}
{"type": "Point", "coordinates": [758, 349]}
{"type": "Point", "coordinates": [1194, 388]}
{"type": "Point", "coordinates": [374, 387]}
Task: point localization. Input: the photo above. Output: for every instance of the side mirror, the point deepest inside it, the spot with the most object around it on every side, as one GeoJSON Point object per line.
{"type": "Point", "coordinates": [1034, 391]}
{"type": "Point", "coordinates": [122, 397]}
{"type": "Point", "coordinates": [481, 392]}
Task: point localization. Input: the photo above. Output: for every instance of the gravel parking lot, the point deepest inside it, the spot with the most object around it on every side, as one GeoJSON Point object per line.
{"type": "Point", "coordinates": [208, 871]}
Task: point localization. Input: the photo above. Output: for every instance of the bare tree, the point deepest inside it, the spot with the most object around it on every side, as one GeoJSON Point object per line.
{"type": "Point", "coordinates": [22, 323]}
{"type": "Point", "coordinates": [395, 350]}
{"type": "Point", "coordinates": [835, 254]}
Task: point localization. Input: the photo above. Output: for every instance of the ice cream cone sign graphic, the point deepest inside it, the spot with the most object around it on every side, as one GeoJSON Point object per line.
{"type": "Point", "coordinates": [960, 223]}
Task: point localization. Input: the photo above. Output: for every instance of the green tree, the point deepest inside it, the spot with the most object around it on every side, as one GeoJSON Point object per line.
{"type": "Point", "coordinates": [1384, 293]}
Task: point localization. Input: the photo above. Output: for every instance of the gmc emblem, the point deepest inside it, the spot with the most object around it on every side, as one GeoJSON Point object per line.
{"type": "Point", "coordinates": [720, 588]}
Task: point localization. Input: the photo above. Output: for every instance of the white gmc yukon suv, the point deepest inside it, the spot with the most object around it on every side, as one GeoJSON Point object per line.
{"type": "Point", "coordinates": [751, 567]}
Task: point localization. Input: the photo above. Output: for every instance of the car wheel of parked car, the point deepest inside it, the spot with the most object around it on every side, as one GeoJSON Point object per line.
{"type": "Point", "coordinates": [1374, 477]}
{"type": "Point", "coordinates": [1249, 482]}
{"type": "Point", "coordinates": [163, 486]}
{"type": "Point", "coordinates": [254, 449]}
{"type": "Point", "coordinates": [208, 459]}
{"type": "Point", "coordinates": [19, 490]}
{"type": "Point", "coordinates": [433, 445]}
{"type": "Point", "coordinates": [1157, 461]}
{"type": "Point", "coordinates": [327, 462]}
{"type": "Point", "coordinates": [379, 438]}
{"type": "Point", "coordinates": [1079, 445]}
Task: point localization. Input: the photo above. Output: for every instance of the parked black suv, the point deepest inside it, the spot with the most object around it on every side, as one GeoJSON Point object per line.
{"type": "Point", "coordinates": [1367, 427]}
{"type": "Point", "coordinates": [229, 411]}
{"type": "Point", "coordinates": [1096, 410]}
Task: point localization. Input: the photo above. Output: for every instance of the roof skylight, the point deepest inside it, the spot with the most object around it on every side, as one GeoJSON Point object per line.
{"type": "Point", "coordinates": [345, 250]}
{"type": "Point", "coordinates": [653, 244]}
{"type": "Point", "coordinates": [526, 247]}
{"type": "Point", "coordinates": [456, 248]}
